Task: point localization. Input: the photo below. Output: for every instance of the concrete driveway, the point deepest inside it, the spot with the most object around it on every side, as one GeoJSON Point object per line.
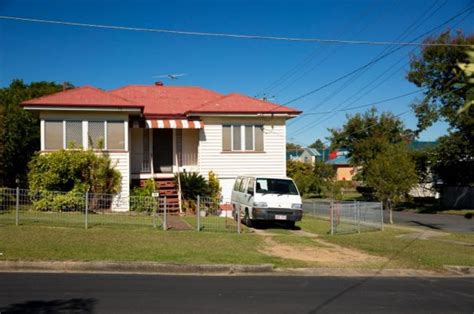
{"type": "Point", "coordinates": [441, 222]}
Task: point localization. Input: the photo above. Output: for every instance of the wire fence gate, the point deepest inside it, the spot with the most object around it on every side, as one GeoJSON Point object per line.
{"type": "Point", "coordinates": [347, 216]}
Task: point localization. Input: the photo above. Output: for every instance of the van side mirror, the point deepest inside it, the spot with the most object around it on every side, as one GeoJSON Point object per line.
{"type": "Point", "coordinates": [250, 191]}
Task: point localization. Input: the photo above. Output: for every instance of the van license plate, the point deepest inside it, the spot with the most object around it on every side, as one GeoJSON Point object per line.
{"type": "Point", "coordinates": [280, 217]}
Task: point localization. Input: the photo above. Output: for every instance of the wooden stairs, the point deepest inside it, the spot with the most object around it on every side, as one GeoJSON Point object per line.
{"type": "Point", "coordinates": [167, 187]}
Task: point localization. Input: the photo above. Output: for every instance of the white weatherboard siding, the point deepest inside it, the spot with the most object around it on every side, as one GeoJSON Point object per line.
{"type": "Point", "coordinates": [121, 162]}
{"type": "Point", "coordinates": [229, 165]}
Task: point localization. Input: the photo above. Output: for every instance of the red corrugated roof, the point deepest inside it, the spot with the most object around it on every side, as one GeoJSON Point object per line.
{"type": "Point", "coordinates": [161, 100]}
{"type": "Point", "coordinates": [236, 103]}
{"type": "Point", "coordinates": [82, 96]}
{"type": "Point", "coordinates": [166, 100]}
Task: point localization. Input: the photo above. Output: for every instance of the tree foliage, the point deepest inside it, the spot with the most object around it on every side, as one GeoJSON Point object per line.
{"type": "Point", "coordinates": [318, 145]}
{"type": "Point", "coordinates": [391, 174]}
{"type": "Point", "coordinates": [366, 135]}
{"type": "Point", "coordinates": [318, 179]}
{"type": "Point", "coordinates": [19, 131]}
{"type": "Point", "coordinates": [441, 70]}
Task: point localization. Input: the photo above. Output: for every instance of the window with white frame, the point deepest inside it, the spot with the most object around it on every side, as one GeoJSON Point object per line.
{"type": "Point", "coordinates": [242, 138]}
{"type": "Point", "coordinates": [62, 134]}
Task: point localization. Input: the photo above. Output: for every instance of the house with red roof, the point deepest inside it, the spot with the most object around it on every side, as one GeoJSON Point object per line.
{"type": "Point", "coordinates": [156, 131]}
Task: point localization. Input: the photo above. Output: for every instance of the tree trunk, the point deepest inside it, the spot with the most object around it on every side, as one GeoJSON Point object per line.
{"type": "Point", "coordinates": [390, 212]}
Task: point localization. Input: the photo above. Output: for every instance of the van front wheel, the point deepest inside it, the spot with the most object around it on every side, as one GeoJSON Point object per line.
{"type": "Point", "coordinates": [247, 219]}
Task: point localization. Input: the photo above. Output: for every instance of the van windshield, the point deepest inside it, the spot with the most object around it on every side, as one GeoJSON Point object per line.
{"type": "Point", "coordinates": [276, 186]}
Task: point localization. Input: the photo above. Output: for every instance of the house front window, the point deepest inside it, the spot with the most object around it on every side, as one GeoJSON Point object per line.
{"type": "Point", "coordinates": [242, 138]}
{"type": "Point", "coordinates": [63, 134]}
{"type": "Point", "coordinates": [73, 134]}
{"type": "Point", "coordinates": [53, 135]}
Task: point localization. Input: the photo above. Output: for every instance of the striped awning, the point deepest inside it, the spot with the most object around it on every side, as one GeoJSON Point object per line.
{"type": "Point", "coordinates": [167, 124]}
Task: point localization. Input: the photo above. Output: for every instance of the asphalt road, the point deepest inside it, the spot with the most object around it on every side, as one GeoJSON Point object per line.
{"type": "Point", "coordinates": [53, 293]}
{"type": "Point", "coordinates": [439, 222]}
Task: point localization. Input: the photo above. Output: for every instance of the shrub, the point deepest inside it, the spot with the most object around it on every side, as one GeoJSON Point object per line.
{"type": "Point", "coordinates": [141, 199]}
{"type": "Point", "coordinates": [73, 171]}
{"type": "Point", "coordinates": [192, 185]}
{"type": "Point", "coordinates": [214, 186]}
{"type": "Point", "coordinates": [58, 202]}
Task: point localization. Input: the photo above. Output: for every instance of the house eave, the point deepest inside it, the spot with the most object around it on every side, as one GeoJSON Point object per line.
{"type": "Point", "coordinates": [238, 115]}
{"type": "Point", "coordinates": [78, 108]}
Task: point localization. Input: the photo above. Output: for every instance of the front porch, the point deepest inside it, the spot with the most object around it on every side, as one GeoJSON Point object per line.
{"type": "Point", "coordinates": [160, 153]}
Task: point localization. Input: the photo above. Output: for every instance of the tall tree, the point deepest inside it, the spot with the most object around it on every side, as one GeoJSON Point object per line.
{"type": "Point", "coordinates": [444, 72]}
{"type": "Point", "coordinates": [366, 135]}
{"type": "Point", "coordinates": [318, 145]}
{"type": "Point", "coordinates": [21, 137]}
{"type": "Point", "coordinates": [392, 175]}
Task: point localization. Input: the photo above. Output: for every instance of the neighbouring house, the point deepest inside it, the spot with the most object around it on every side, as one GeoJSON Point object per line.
{"type": "Point", "coordinates": [340, 161]}
{"type": "Point", "coordinates": [293, 155]}
{"type": "Point", "coordinates": [306, 155]}
{"type": "Point", "coordinates": [156, 131]}
{"type": "Point", "coordinates": [309, 155]}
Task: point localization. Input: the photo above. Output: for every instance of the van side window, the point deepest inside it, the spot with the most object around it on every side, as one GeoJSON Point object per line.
{"type": "Point", "coordinates": [250, 186]}
{"type": "Point", "coordinates": [242, 185]}
{"type": "Point", "coordinates": [237, 184]}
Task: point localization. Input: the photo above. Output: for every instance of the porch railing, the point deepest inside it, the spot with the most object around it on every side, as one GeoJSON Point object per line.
{"type": "Point", "coordinates": [141, 163]}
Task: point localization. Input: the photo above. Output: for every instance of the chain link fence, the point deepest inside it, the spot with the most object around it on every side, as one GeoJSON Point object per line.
{"type": "Point", "coordinates": [86, 210]}
{"type": "Point", "coordinates": [89, 210]}
{"type": "Point", "coordinates": [347, 216]}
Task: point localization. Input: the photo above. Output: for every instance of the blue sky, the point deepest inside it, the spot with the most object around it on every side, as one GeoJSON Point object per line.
{"type": "Point", "coordinates": [109, 59]}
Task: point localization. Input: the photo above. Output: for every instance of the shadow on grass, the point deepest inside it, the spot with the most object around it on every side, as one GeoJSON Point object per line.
{"type": "Point", "coordinates": [53, 306]}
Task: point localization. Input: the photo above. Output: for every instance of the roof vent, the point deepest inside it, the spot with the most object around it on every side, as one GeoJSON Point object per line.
{"type": "Point", "coordinates": [159, 84]}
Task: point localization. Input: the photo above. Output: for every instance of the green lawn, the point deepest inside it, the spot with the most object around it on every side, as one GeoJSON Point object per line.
{"type": "Point", "coordinates": [77, 219]}
{"type": "Point", "coordinates": [37, 238]}
{"type": "Point", "coordinates": [110, 244]}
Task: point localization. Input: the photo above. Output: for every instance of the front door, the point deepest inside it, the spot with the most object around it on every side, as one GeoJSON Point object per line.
{"type": "Point", "coordinates": [163, 150]}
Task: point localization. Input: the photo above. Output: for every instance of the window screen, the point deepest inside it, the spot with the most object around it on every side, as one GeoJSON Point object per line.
{"type": "Point", "coordinates": [96, 134]}
{"type": "Point", "coordinates": [73, 134]}
{"type": "Point", "coordinates": [259, 138]}
{"type": "Point", "coordinates": [226, 138]}
{"type": "Point", "coordinates": [237, 144]}
{"type": "Point", "coordinates": [248, 137]}
{"type": "Point", "coordinates": [115, 135]}
{"type": "Point", "coordinates": [53, 134]}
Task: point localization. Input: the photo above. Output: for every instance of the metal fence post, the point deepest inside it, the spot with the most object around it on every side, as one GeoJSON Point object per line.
{"type": "Point", "coordinates": [87, 211]}
{"type": "Point", "coordinates": [331, 211]}
{"type": "Point", "coordinates": [381, 214]}
{"type": "Point", "coordinates": [238, 221]}
{"type": "Point", "coordinates": [155, 212]}
{"type": "Point", "coordinates": [165, 223]}
{"type": "Point", "coordinates": [17, 207]}
{"type": "Point", "coordinates": [357, 205]}
{"type": "Point", "coordinates": [314, 208]}
{"type": "Point", "coordinates": [198, 213]}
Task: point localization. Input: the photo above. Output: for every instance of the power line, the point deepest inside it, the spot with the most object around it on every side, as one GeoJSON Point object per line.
{"type": "Point", "coordinates": [373, 103]}
{"type": "Point", "coordinates": [373, 61]}
{"type": "Point", "coordinates": [228, 35]}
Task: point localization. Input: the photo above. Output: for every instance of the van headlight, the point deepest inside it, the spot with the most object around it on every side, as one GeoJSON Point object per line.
{"type": "Point", "coordinates": [296, 206]}
{"type": "Point", "coordinates": [260, 204]}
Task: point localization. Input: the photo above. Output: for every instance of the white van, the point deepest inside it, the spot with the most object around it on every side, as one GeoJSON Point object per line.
{"type": "Point", "coordinates": [261, 198]}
